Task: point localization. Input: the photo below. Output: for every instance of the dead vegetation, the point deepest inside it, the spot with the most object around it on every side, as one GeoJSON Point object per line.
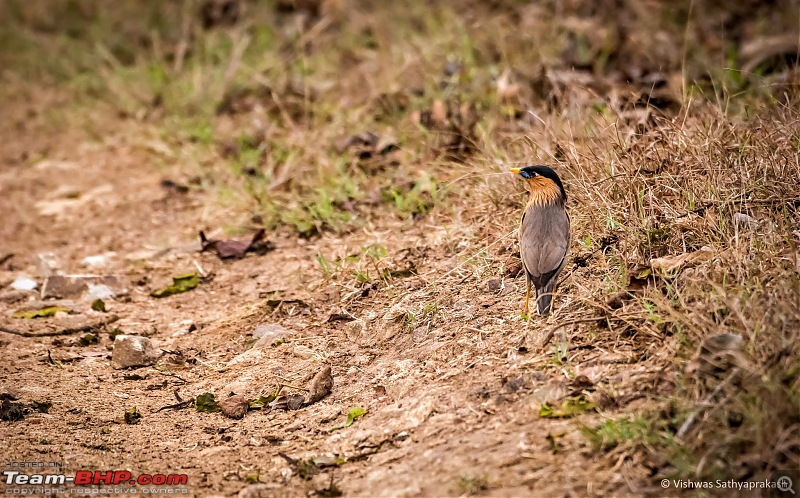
{"type": "Point", "coordinates": [372, 142]}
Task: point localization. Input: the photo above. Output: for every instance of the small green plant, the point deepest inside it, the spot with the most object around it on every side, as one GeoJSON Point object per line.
{"type": "Point", "coordinates": [612, 433]}
{"type": "Point", "coordinates": [353, 414]}
{"type": "Point", "coordinates": [473, 485]}
{"type": "Point", "coordinates": [321, 212]}
{"type": "Point", "coordinates": [652, 433]}
{"type": "Point", "coordinates": [651, 309]}
{"type": "Point", "coordinates": [611, 223]}
{"type": "Point", "coordinates": [251, 155]}
{"type": "Point", "coordinates": [430, 310]}
{"type": "Point", "coordinates": [418, 200]}
{"type": "Point", "coordinates": [362, 276]}
{"type": "Point", "coordinates": [374, 252]}
{"type": "Point", "coordinates": [327, 268]}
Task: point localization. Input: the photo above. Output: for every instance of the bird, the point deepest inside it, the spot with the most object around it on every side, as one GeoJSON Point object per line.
{"type": "Point", "coordinates": [544, 234]}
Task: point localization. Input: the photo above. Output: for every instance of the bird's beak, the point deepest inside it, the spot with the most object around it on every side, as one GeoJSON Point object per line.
{"type": "Point", "coordinates": [515, 170]}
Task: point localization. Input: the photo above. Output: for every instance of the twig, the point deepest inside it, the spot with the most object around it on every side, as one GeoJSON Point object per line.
{"type": "Point", "coordinates": [292, 387]}
{"type": "Point", "coordinates": [66, 331]}
{"type": "Point", "coordinates": [236, 60]}
{"type": "Point", "coordinates": [177, 406]}
{"type": "Point", "coordinates": [687, 424]}
{"type": "Point", "coordinates": [473, 329]}
{"type": "Point", "coordinates": [183, 43]}
{"type": "Point", "coordinates": [552, 331]}
{"type": "Point", "coordinates": [618, 175]}
{"type": "Point", "coordinates": [317, 29]}
{"type": "Point", "coordinates": [170, 374]}
{"type": "Point", "coordinates": [200, 269]}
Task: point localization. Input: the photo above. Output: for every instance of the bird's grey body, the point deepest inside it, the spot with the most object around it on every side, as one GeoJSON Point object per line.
{"type": "Point", "coordinates": [543, 243]}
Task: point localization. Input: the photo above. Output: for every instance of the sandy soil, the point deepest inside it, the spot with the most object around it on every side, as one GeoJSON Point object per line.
{"type": "Point", "coordinates": [452, 399]}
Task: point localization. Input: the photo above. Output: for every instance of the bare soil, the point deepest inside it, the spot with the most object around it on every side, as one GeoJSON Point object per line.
{"type": "Point", "coordinates": [446, 402]}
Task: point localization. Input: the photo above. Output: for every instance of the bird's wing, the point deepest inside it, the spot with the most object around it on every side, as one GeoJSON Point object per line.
{"type": "Point", "coordinates": [544, 239]}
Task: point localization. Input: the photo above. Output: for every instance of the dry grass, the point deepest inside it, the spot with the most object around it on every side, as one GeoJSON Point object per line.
{"type": "Point", "coordinates": [254, 112]}
{"type": "Point", "coordinates": [675, 195]}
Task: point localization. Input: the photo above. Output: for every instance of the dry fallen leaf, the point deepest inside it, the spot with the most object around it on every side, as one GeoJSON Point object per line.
{"type": "Point", "coordinates": [670, 264]}
{"type": "Point", "coordinates": [366, 139]}
{"type": "Point", "coordinates": [46, 312]}
{"type": "Point", "coordinates": [320, 386]}
{"type": "Point", "coordinates": [232, 248]}
{"type": "Point", "coordinates": [290, 402]}
{"type": "Point", "coordinates": [234, 407]}
{"type": "Point", "coordinates": [374, 153]}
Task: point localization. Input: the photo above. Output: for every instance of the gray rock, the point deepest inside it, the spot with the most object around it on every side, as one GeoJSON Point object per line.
{"type": "Point", "coordinates": [268, 333]}
{"type": "Point", "coordinates": [15, 296]}
{"type": "Point", "coordinates": [48, 264]}
{"type": "Point", "coordinates": [8, 392]}
{"type": "Point", "coordinates": [133, 351]}
{"type": "Point", "coordinates": [75, 286]}
{"type": "Point", "coordinates": [744, 222]}
{"type": "Point", "coordinates": [399, 311]}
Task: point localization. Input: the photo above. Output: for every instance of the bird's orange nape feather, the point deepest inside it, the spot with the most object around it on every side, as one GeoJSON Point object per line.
{"type": "Point", "coordinates": [543, 190]}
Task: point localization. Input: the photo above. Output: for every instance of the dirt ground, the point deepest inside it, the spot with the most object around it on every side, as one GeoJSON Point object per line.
{"type": "Point", "coordinates": [445, 404]}
{"type": "Point", "coordinates": [415, 301]}
{"type": "Point", "coordinates": [442, 403]}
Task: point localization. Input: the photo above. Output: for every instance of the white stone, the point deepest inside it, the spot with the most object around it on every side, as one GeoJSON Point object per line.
{"type": "Point", "coordinates": [133, 351]}
{"type": "Point", "coordinates": [97, 260]}
{"type": "Point", "coordinates": [99, 291]}
{"type": "Point", "coordinates": [268, 333]}
{"type": "Point", "coordinates": [23, 282]}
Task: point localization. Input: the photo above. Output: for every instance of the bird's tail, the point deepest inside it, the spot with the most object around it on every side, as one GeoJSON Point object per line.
{"type": "Point", "coordinates": [544, 297]}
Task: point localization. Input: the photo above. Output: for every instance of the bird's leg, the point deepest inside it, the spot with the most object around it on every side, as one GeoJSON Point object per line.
{"type": "Point", "coordinates": [527, 298]}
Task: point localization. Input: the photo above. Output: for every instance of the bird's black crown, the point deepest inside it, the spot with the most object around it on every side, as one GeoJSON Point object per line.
{"type": "Point", "coordinates": [533, 171]}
